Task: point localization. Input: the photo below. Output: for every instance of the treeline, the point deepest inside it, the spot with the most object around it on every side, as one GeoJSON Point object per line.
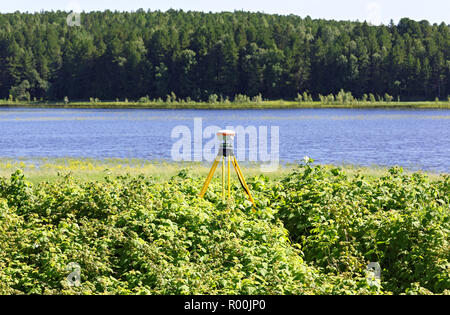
{"type": "Point", "coordinates": [118, 55]}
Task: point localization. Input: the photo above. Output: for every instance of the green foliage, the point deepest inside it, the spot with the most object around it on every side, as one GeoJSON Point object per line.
{"type": "Point", "coordinates": [388, 98]}
{"type": "Point", "coordinates": [139, 235]}
{"type": "Point", "coordinates": [21, 91]}
{"type": "Point", "coordinates": [196, 54]}
{"type": "Point", "coordinates": [241, 99]}
{"type": "Point", "coordinates": [402, 221]}
{"type": "Point", "coordinates": [305, 97]}
{"type": "Point", "coordinates": [213, 99]}
{"type": "Point", "coordinates": [257, 99]}
{"type": "Point", "coordinates": [144, 99]}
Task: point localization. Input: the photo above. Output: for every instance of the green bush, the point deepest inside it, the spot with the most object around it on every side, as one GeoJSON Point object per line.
{"type": "Point", "coordinates": [388, 98]}
{"type": "Point", "coordinates": [312, 232]}
{"type": "Point", "coordinates": [141, 236]}
{"type": "Point", "coordinates": [241, 99]}
{"type": "Point", "coordinates": [343, 223]}
{"type": "Point", "coordinates": [212, 99]}
{"type": "Point", "coordinates": [21, 92]}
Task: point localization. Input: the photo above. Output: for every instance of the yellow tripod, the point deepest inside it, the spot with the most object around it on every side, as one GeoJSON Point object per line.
{"type": "Point", "coordinates": [226, 155]}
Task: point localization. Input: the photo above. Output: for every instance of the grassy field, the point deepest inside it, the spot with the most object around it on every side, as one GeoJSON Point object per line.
{"type": "Point", "coordinates": [275, 104]}
{"type": "Point", "coordinates": [96, 170]}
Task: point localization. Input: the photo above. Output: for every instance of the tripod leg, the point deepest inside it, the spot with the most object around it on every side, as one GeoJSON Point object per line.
{"type": "Point", "coordinates": [238, 175]}
{"type": "Point", "coordinates": [242, 180]}
{"type": "Point", "coordinates": [210, 175]}
{"type": "Point", "coordinates": [229, 177]}
{"type": "Point", "coordinates": [223, 178]}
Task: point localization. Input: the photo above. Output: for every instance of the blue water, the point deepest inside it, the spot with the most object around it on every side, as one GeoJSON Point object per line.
{"type": "Point", "coordinates": [414, 139]}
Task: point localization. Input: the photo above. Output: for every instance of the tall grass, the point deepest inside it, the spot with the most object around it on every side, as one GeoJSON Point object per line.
{"type": "Point", "coordinates": [303, 100]}
{"type": "Point", "coordinates": [86, 169]}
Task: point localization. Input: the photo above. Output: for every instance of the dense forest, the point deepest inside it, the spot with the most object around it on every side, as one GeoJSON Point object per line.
{"type": "Point", "coordinates": [117, 55]}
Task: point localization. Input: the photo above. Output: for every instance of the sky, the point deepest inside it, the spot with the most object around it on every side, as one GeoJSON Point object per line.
{"type": "Point", "coordinates": [374, 11]}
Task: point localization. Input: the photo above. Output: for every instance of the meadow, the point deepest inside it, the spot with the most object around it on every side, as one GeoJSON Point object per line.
{"type": "Point", "coordinates": [90, 169]}
{"type": "Point", "coordinates": [140, 228]}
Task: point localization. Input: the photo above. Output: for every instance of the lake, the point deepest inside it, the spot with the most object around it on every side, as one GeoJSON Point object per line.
{"type": "Point", "coordinates": [414, 139]}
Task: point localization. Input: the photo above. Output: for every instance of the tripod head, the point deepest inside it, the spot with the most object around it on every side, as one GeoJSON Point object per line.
{"type": "Point", "coordinates": [227, 138]}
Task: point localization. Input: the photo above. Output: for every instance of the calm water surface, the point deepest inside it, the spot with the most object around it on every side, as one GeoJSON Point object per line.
{"type": "Point", "coordinates": [416, 139]}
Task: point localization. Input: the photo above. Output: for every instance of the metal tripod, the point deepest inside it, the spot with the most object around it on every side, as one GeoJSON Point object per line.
{"type": "Point", "coordinates": [226, 155]}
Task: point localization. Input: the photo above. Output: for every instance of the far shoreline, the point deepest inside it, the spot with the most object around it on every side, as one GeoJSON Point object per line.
{"type": "Point", "coordinates": [276, 104]}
